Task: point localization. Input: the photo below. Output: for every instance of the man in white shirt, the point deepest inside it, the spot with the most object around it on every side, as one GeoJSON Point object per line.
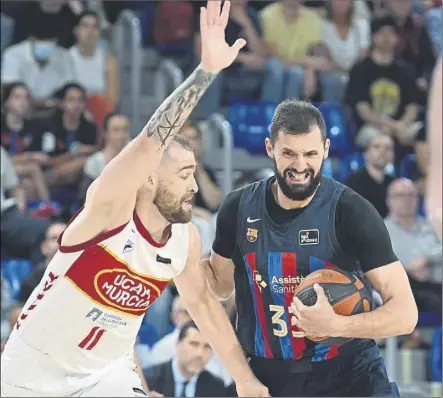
{"type": "Point", "coordinates": [39, 63]}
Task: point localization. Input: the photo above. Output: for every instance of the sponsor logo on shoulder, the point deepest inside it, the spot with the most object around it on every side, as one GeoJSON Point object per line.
{"type": "Point", "coordinates": [309, 237]}
{"type": "Point", "coordinates": [129, 245]}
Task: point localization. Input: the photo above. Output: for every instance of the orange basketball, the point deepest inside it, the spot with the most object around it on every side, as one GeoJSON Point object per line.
{"type": "Point", "coordinates": [345, 292]}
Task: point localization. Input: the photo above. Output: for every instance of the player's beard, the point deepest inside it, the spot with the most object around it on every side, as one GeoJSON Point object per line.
{"type": "Point", "coordinates": [298, 192]}
{"type": "Point", "coordinates": [171, 208]}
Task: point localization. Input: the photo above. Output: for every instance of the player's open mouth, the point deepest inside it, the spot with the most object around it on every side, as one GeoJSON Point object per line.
{"type": "Point", "coordinates": [187, 203]}
{"type": "Point", "coordinates": [298, 177]}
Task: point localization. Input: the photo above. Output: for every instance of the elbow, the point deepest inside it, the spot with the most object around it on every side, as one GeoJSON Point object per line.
{"type": "Point", "coordinates": [410, 317]}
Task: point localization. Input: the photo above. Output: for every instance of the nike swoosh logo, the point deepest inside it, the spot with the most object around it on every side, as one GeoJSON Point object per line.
{"type": "Point", "coordinates": [249, 219]}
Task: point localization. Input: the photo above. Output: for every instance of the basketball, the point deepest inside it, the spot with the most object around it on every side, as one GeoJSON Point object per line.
{"type": "Point", "coordinates": [345, 292]}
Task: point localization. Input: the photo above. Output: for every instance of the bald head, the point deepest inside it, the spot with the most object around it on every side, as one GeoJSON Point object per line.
{"type": "Point", "coordinates": [403, 199]}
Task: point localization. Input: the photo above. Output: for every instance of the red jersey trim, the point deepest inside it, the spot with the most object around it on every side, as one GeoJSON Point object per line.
{"type": "Point", "coordinates": [91, 242]}
{"type": "Point", "coordinates": [146, 235]}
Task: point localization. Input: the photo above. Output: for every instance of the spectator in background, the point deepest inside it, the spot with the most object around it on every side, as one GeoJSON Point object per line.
{"type": "Point", "coordinates": [117, 132]}
{"type": "Point", "coordinates": [414, 45]}
{"type": "Point", "coordinates": [40, 63]}
{"type": "Point", "coordinates": [184, 375]}
{"type": "Point", "coordinates": [372, 181]}
{"type": "Point", "coordinates": [292, 34]}
{"type": "Point", "coordinates": [21, 234]}
{"type": "Point", "coordinates": [17, 133]}
{"type": "Point", "coordinates": [55, 14]}
{"type": "Point", "coordinates": [434, 24]}
{"type": "Point", "coordinates": [415, 244]}
{"type": "Point", "coordinates": [347, 40]}
{"type": "Point", "coordinates": [209, 196]}
{"type": "Point", "coordinates": [382, 93]}
{"type": "Point", "coordinates": [7, 303]}
{"type": "Point", "coordinates": [48, 248]}
{"type": "Point", "coordinates": [94, 67]}
{"type": "Point", "coordinates": [248, 76]}
{"type": "Point", "coordinates": [69, 138]}
{"type": "Point", "coordinates": [164, 349]}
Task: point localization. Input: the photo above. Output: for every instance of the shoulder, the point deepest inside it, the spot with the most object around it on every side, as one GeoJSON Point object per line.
{"type": "Point", "coordinates": [353, 207]}
{"type": "Point", "coordinates": [17, 50]}
{"type": "Point", "coordinates": [307, 14]}
{"type": "Point", "coordinates": [270, 11]}
{"type": "Point", "coordinates": [206, 376]}
{"type": "Point", "coordinates": [156, 371]}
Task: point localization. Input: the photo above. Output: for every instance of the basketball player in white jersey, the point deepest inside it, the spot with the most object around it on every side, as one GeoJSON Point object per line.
{"type": "Point", "coordinates": [434, 187]}
{"type": "Point", "coordinates": [76, 334]}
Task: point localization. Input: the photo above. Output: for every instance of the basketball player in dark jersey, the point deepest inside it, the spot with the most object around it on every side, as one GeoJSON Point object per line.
{"type": "Point", "coordinates": [272, 234]}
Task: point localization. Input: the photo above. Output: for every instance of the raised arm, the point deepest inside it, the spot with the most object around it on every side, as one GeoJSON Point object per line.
{"type": "Point", "coordinates": [213, 321]}
{"type": "Point", "coordinates": [112, 195]}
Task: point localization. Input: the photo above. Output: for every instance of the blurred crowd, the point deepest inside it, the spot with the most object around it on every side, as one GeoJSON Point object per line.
{"type": "Point", "coordinates": [61, 125]}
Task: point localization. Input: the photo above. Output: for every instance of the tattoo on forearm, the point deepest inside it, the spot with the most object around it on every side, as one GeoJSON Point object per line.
{"type": "Point", "coordinates": [173, 112]}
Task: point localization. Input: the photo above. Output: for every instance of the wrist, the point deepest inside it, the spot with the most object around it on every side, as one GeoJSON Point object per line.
{"type": "Point", "coordinates": [339, 326]}
{"type": "Point", "coordinates": [208, 68]}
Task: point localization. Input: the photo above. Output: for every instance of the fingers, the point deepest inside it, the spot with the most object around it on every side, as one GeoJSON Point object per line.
{"type": "Point", "coordinates": [213, 8]}
{"type": "Point", "coordinates": [203, 20]}
{"type": "Point", "coordinates": [224, 17]}
{"type": "Point", "coordinates": [321, 295]}
{"type": "Point", "coordinates": [239, 44]}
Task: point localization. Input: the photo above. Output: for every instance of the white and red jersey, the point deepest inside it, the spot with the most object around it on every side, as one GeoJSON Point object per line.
{"type": "Point", "coordinates": [88, 308]}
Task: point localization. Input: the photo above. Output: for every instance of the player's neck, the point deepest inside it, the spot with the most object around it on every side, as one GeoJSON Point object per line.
{"type": "Point", "coordinates": [288, 204]}
{"type": "Point", "coordinates": [152, 220]}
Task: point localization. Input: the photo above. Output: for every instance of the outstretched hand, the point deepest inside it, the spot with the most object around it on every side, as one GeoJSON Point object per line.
{"type": "Point", "coordinates": [216, 53]}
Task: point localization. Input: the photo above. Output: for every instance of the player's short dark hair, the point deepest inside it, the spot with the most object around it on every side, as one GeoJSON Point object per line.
{"type": "Point", "coordinates": [183, 142]}
{"type": "Point", "coordinates": [184, 329]}
{"type": "Point", "coordinates": [108, 118]}
{"type": "Point", "coordinates": [296, 117]}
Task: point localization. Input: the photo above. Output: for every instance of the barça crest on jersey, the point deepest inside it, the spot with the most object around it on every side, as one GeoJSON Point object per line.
{"type": "Point", "coordinates": [252, 234]}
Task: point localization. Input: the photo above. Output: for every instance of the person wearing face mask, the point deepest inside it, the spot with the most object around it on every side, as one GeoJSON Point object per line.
{"type": "Point", "coordinates": [40, 63]}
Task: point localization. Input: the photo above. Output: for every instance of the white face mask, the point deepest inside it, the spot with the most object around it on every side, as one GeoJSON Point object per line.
{"type": "Point", "coordinates": [43, 49]}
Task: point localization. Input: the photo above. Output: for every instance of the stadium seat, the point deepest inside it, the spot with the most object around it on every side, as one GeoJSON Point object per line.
{"type": "Point", "coordinates": [436, 356]}
{"type": "Point", "coordinates": [332, 167]}
{"type": "Point", "coordinates": [15, 271]}
{"type": "Point", "coordinates": [350, 164]}
{"type": "Point", "coordinates": [147, 334]}
{"type": "Point", "coordinates": [336, 127]}
{"type": "Point", "coordinates": [250, 123]}
{"type": "Point", "coordinates": [409, 167]}
{"type": "Point", "coordinates": [99, 106]}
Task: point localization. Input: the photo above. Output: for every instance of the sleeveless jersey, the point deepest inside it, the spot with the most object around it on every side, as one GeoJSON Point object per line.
{"type": "Point", "coordinates": [271, 260]}
{"type": "Point", "coordinates": [88, 308]}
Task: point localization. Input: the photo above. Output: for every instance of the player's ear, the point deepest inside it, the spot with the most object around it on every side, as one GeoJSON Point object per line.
{"type": "Point", "coordinates": [151, 182]}
{"type": "Point", "coordinates": [269, 148]}
{"type": "Point", "coordinates": [327, 145]}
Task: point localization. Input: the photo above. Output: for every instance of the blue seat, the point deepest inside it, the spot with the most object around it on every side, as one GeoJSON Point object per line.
{"type": "Point", "coordinates": [15, 271]}
{"type": "Point", "coordinates": [147, 334]}
{"type": "Point", "coordinates": [436, 356]}
{"type": "Point", "coordinates": [350, 164]}
{"type": "Point", "coordinates": [250, 122]}
{"type": "Point", "coordinates": [332, 167]}
{"type": "Point", "coordinates": [409, 167]}
{"type": "Point", "coordinates": [336, 127]}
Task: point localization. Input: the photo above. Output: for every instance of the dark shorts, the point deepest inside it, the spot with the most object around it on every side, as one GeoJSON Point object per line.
{"type": "Point", "coordinates": [358, 372]}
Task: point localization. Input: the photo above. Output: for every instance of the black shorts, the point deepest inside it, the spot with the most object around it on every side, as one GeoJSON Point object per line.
{"type": "Point", "coordinates": [359, 371]}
